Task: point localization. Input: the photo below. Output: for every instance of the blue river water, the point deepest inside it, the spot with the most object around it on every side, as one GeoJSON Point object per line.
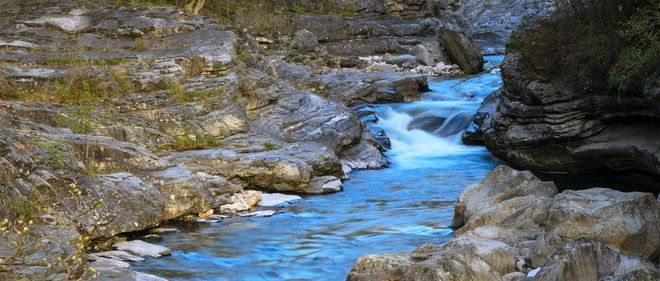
{"type": "Point", "coordinates": [379, 211]}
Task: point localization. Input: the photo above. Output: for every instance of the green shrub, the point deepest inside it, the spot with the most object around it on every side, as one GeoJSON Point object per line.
{"type": "Point", "coordinates": [78, 121]}
{"type": "Point", "coordinates": [55, 154]}
{"type": "Point", "coordinates": [600, 46]}
{"type": "Point", "coordinates": [196, 141]}
{"type": "Point", "coordinates": [24, 210]}
{"type": "Point", "coordinates": [270, 146]}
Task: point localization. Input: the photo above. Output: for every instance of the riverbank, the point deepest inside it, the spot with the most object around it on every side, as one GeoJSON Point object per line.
{"type": "Point", "coordinates": [118, 117]}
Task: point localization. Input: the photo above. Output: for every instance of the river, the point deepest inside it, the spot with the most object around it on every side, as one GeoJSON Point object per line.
{"type": "Point", "coordinates": [379, 211]}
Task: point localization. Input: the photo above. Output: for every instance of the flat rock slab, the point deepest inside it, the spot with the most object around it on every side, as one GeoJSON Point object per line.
{"type": "Point", "coordinates": [141, 248]}
{"type": "Point", "coordinates": [115, 255]}
{"type": "Point", "coordinates": [278, 199]}
{"type": "Point", "coordinates": [107, 264]}
{"type": "Point", "coordinates": [266, 213]}
{"type": "Point", "coordinates": [159, 230]}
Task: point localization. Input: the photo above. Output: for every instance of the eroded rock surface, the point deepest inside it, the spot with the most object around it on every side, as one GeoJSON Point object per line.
{"type": "Point", "coordinates": [546, 125]}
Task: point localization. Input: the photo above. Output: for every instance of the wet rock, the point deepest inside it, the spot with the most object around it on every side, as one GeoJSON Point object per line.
{"type": "Point", "coordinates": [289, 168]}
{"type": "Point", "coordinates": [353, 88]}
{"type": "Point", "coordinates": [364, 155]}
{"type": "Point", "coordinates": [266, 213]}
{"type": "Point", "coordinates": [101, 264]}
{"type": "Point", "coordinates": [120, 274]}
{"type": "Point", "coordinates": [160, 230]}
{"type": "Point", "coordinates": [461, 50]}
{"type": "Point", "coordinates": [142, 249]}
{"type": "Point", "coordinates": [277, 199]}
{"type": "Point", "coordinates": [474, 134]}
{"type": "Point", "coordinates": [326, 184]}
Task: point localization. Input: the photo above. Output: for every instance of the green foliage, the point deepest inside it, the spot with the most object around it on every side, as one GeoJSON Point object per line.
{"type": "Point", "coordinates": [55, 154]}
{"type": "Point", "coordinates": [79, 120]}
{"type": "Point", "coordinates": [24, 210]}
{"type": "Point", "coordinates": [79, 89]}
{"type": "Point", "coordinates": [140, 44]}
{"type": "Point", "coordinates": [270, 146]}
{"type": "Point", "coordinates": [196, 141]}
{"type": "Point", "coordinates": [642, 34]}
{"type": "Point", "coordinates": [600, 46]}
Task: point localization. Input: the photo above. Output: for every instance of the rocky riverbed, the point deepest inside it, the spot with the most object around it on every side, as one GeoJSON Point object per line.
{"type": "Point", "coordinates": [118, 117]}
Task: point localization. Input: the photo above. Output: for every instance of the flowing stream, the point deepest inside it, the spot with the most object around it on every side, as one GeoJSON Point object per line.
{"type": "Point", "coordinates": [381, 211]}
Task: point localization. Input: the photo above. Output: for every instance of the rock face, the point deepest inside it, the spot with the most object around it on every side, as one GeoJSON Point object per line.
{"type": "Point", "coordinates": [544, 125]}
{"type": "Point", "coordinates": [512, 222]}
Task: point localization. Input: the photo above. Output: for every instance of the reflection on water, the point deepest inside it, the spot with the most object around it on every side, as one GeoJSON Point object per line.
{"type": "Point", "coordinates": [391, 210]}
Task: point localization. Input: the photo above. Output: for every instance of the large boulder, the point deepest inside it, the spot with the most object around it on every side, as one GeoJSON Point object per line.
{"type": "Point", "coordinates": [306, 117]}
{"type": "Point", "coordinates": [128, 204]}
{"type": "Point", "coordinates": [626, 222]}
{"type": "Point", "coordinates": [274, 166]}
{"type": "Point", "coordinates": [580, 260]}
{"type": "Point", "coordinates": [508, 205]}
{"type": "Point", "coordinates": [462, 259]}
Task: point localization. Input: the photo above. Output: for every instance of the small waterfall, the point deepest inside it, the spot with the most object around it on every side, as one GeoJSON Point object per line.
{"type": "Point", "coordinates": [431, 128]}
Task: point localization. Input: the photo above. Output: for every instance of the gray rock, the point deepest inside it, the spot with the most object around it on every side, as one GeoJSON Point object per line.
{"type": "Point", "coordinates": [580, 260]}
{"type": "Point", "coordinates": [115, 255]}
{"type": "Point", "coordinates": [507, 205]}
{"type": "Point", "coordinates": [142, 249]}
{"type": "Point", "coordinates": [637, 275]}
{"type": "Point", "coordinates": [536, 128]}
{"type": "Point", "coordinates": [458, 260]}
{"type": "Point", "coordinates": [129, 204]}
{"type": "Point", "coordinates": [44, 244]}
{"type": "Point", "coordinates": [277, 199]}
{"type": "Point", "coordinates": [325, 184]}
{"type": "Point", "coordinates": [626, 222]}
{"type": "Point", "coordinates": [305, 41]}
